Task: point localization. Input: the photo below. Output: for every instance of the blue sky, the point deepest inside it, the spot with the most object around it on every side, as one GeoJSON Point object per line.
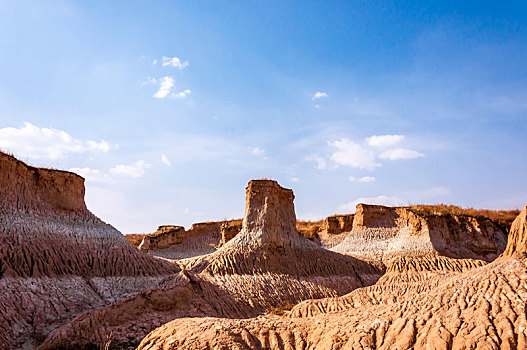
{"type": "Point", "coordinates": [169, 108]}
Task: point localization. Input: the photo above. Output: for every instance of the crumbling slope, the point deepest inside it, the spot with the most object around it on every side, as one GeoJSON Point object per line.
{"type": "Point", "coordinates": [478, 307]}
{"type": "Point", "coordinates": [56, 258]}
{"type": "Point", "coordinates": [267, 265]}
{"type": "Point", "coordinates": [517, 244]}
{"type": "Point", "coordinates": [384, 233]}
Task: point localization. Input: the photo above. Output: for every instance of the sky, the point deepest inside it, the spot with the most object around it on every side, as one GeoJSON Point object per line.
{"type": "Point", "coordinates": [169, 108]}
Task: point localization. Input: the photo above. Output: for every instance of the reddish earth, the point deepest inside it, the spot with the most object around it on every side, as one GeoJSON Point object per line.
{"type": "Point", "coordinates": [382, 278]}
{"type": "Point", "coordinates": [56, 258]}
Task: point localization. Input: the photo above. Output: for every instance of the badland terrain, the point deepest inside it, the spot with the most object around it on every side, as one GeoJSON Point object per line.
{"type": "Point", "coordinates": [416, 277]}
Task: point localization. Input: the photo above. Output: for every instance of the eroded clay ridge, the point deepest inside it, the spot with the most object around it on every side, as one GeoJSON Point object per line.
{"type": "Point", "coordinates": [517, 244]}
{"type": "Point", "coordinates": [56, 258]}
{"type": "Point", "coordinates": [466, 307]}
{"type": "Point", "coordinates": [269, 242]}
{"type": "Point", "coordinates": [268, 265]}
{"type": "Point", "coordinates": [46, 229]}
{"type": "Point", "coordinates": [174, 242]}
{"type": "Point", "coordinates": [384, 233]}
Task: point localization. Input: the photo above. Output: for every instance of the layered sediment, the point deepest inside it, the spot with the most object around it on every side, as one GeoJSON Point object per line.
{"type": "Point", "coordinates": [269, 264]}
{"type": "Point", "coordinates": [56, 258]}
{"type": "Point", "coordinates": [451, 304]}
{"type": "Point", "coordinates": [384, 233]}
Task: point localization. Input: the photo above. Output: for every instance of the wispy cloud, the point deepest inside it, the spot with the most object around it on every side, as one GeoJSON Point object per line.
{"type": "Point", "coordinates": [400, 153]}
{"type": "Point", "coordinates": [318, 95]}
{"type": "Point", "coordinates": [363, 179]}
{"type": "Point", "coordinates": [134, 170]}
{"type": "Point", "coordinates": [352, 154]}
{"type": "Point", "coordinates": [321, 162]}
{"type": "Point", "coordinates": [174, 62]}
{"type": "Point", "coordinates": [165, 89]}
{"type": "Point", "coordinates": [166, 83]}
{"type": "Point", "coordinates": [91, 175]}
{"type": "Point", "coordinates": [181, 94]}
{"type": "Point", "coordinates": [165, 160]}
{"type": "Point", "coordinates": [257, 151]}
{"type": "Point", "coordinates": [46, 143]}
{"type": "Point", "coordinates": [384, 140]}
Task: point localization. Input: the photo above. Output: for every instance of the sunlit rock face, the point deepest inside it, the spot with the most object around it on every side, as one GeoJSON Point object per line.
{"type": "Point", "coordinates": [56, 258]}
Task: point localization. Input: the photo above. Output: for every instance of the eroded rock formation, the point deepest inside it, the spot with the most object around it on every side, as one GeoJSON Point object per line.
{"type": "Point", "coordinates": [56, 258]}
{"type": "Point", "coordinates": [517, 244]}
{"type": "Point", "coordinates": [383, 233]}
{"type": "Point", "coordinates": [174, 242]}
{"type": "Point", "coordinates": [453, 304]}
{"type": "Point", "coordinates": [269, 264]}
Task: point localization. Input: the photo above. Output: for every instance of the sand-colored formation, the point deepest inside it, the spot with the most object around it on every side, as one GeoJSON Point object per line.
{"type": "Point", "coordinates": [517, 244]}
{"type": "Point", "coordinates": [267, 265]}
{"type": "Point", "coordinates": [382, 278]}
{"type": "Point", "coordinates": [464, 305]}
{"type": "Point", "coordinates": [174, 242]}
{"type": "Point", "coordinates": [56, 258]}
{"type": "Point", "coordinates": [383, 233]}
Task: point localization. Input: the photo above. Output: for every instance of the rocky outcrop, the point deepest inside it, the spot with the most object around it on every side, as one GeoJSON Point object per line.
{"type": "Point", "coordinates": [336, 224]}
{"type": "Point", "coordinates": [382, 233]}
{"type": "Point", "coordinates": [174, 242]}
{"type": "Point", "coordinates": [49, 238]}
{"type": "Point", "coordinates": [229, 229]}
{"type": "Point", "coordinates": [421, 302]}
{"type": "Point", "coordinates": [517, 244]}
{"type": "Point", "coordinates": [164, 237]}
{"type": "Point", "coordinates": [29, 189]}
{"type": "Point", "coordinates": [270, 242]}
{"type": "Point", "coordinates": [269, 264]}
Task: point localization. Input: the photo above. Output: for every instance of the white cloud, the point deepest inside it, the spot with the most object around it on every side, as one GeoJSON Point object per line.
{"type": "Point", "coordinates": [181, 94]}
{"type": "Point", "coordinates": [363, 179]}
{"type": "Point", "coordinates": [257, 151]}
{"type": "Point", "coordinates": [91, 175]}
{"type": "Point", "coordinates": [319, 94]}
{"type": "Point", "coordinates": [400, 153]}
{"type": "Point", "coordinates": [352, 154]}
{"type": "Point", "coordinates": [165, 160]}
{"type": "Point", "coordinates": [366, 179]}
{"type": "Point", "coordinates": [174, 62]}
{"type": "Point", "coordinates": [164, 87]}
{"type": "Point", "coordinates": [134, 170]}
{"type": "Point", "coordinates": [379, 200]}
{"type": "Point", "coordinates": [295, 179]}
{"type": "Point", "coordinates": [384, 140]}
{"type": "Point", "coordinates": [154, 62]}
{"type": "Point", "coordinates": [321, 162]}
{"type": "Point", "coordinates": [45, 143]}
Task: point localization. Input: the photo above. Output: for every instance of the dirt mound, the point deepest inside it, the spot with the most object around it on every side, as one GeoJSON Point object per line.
{"type": "Point", "coordinates": [56, 258]}
{"type": "Point", "coordinates": [385, 232]}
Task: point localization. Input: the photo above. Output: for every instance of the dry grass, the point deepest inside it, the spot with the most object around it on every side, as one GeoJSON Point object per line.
{"type": "Point", "coordinates": [502, 218]}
